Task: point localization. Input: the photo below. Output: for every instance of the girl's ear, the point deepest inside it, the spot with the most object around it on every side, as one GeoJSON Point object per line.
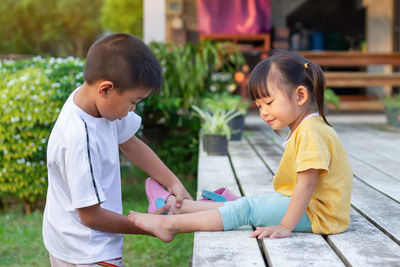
{"type": "Point", "coordinates": [104, 88]}
{"type": "Point", "coordinates": [301, 95]}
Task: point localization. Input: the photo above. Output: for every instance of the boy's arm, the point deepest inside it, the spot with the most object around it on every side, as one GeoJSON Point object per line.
{"type": "Point", "coordinates": [97, 218]}
{"type": "Point", "coordinates": [143, 157]}
{"type": "Point", "coordinates": [307, 180]}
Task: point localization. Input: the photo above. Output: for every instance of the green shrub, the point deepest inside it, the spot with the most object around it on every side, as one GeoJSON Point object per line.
{"type": "Point", "coordinates": [187, 79]}
{"type": "Point", "coordinates": [331, 97]}
{"type": "Point", "coordinates": [392, 101]}
{"type": "Point", "coordinates": [32, 93]}
{"type": "Point", "coordinates": [226, 102]}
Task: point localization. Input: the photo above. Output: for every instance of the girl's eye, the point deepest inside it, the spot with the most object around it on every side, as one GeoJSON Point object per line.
{"type": "Point", "coordinates": [269, 103]}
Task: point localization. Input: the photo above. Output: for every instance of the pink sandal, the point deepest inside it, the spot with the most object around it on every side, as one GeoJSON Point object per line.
{"type": "Point", "coordinates": [220, 195]}
{"type": "Point", "coordinates": [156, 195]}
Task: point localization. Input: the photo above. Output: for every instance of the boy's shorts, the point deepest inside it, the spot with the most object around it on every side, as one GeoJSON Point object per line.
{"type": "Point", "coordinates": [55, 262]}
{"type": "Point", "coordinates": [259, 210]}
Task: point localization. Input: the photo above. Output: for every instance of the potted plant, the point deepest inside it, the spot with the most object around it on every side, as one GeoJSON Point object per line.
{"type": "Point", "coordinates": [392, 110]}
{"type": "Point", "coordinates": [229, 102]}
{"type": "Point", "coordinates": [215, 131]}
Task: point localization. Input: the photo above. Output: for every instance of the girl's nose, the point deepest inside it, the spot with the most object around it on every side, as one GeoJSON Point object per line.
{"type": "Point", "coordinates": [263, 112]}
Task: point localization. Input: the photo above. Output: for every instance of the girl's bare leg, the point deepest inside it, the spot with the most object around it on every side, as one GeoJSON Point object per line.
{"type": "Point", "coordinates": [190, 206]}
{"type": "Point", "coordinates": [165, 227]}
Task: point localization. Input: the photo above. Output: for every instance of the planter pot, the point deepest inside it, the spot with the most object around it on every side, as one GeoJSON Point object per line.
{"type": "Point", "coordinates": [237, 126]}
{"type": "Point", "coordinates": [215, 144]}
{"type": "Point", "coordinates": [393, 116]}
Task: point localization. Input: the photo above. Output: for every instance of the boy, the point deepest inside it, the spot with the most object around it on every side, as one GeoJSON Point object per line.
{"type": "Point", "coordinates": [83, 222]}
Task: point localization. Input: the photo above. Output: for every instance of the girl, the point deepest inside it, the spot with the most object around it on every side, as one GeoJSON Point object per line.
{"type": "Point", "coordinates": [313, 182]}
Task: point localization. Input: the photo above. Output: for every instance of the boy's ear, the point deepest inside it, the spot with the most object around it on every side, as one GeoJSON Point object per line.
{"type": "Point", "coordinates": [104, 88]}
{"type": "Point", "coordinates": [302, 95]}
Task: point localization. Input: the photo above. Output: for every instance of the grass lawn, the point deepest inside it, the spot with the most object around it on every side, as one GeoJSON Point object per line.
{"type": "Point", "coordinates": [21, 235]}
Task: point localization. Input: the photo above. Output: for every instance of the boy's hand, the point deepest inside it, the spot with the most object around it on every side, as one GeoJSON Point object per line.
{"type": "Point", "coordinates": [180, 193]}
{"type": "Point", "coordinates": [157, 212]}
{"type": "Point", "coordinates": [161, 210]}
{"type": "Point", "coordinates": [277, 231]}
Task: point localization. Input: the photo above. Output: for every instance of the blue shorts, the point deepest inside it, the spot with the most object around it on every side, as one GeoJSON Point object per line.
{"type": "Point", "coordinates": [259, 210]}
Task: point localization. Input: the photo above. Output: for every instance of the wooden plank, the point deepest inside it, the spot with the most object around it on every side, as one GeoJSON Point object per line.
{"type": "Point", "coordinates": [222, 248]}
{"type": "Point", "coordinates": [361, 148]}
{"type": "Point", "coordinates": [230, 248]}
{"type": "Point", "coordinates": [301, 249]}
{"type": "Point", "coordinates": [382, 210]}
{"type": "Point", "coordinates": [235, 38]}
{"type": "Point", "coordinates": [385, 148]}
{"type": "Point", "coordinates": [359, 79]}
{"type": "Point", "coordinates": [387, 167]}
{"type": "Point", "coordinates": [385, 141]}
{"type": "Point", "coordinates": [351, 59]}
{"type": "Point", "coordinates": [215, 172]}
{"type": "Point", "coordinates": [361, 105]}
{"type": "Point", "coordinates": [254, 177]}
{"type": "Point", "coordinates": [376, 179]}
{"type": "Point", "coordinates": [364, 245]}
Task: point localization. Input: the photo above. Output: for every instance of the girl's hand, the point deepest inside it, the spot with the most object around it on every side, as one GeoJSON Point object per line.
{"type": "Point", "coordinates": [277, 231]}
{"type": "Point", "coordinates": [180, 193]}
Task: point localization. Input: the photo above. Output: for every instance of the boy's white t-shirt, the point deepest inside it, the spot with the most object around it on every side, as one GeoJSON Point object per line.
{"type": "Point", "coordinates": [83, 170]}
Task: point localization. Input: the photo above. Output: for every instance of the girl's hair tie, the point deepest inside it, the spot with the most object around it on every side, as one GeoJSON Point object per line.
{"type": "Point", "coordinates": [306, 65]}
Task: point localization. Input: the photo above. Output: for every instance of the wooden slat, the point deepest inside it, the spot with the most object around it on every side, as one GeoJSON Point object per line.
{"type": "Point", "coordinates": [364, 245]}
{"type": "Point", "coordinates": [382, 210]}
{"type": "Point", "coordinates": [251, 172]}
{"type": "Point", "coordinates": [386, 143]}
{"type": "Point", "coordinates": [235, 38]}
{"type": "Point", "coordinates": [301, 249]}
{"type": "Point", "coordinates": [360, 79]}
{"type": "Point", "coordinates": [376, 179]}
{"type": "Point", "coordinates": [350, 59]}
{"type": "Point", "coordinates": [360, 144]}
{"type": "Point", "coordinates": [230, 248]}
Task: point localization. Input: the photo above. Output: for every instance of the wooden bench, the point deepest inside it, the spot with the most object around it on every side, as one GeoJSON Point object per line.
{"type": "Point", "coordinates": [356, 59]}
{"type": "Point", "coordinates": [241, 39]}
{"type": "Point", "coordinates": [373, 237]}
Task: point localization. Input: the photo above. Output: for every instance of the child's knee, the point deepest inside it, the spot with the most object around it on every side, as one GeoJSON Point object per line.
{"type": "Point", "coordinates": [235, 213]}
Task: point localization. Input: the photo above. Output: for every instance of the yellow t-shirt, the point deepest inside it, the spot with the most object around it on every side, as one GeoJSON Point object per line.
{"type": "Point", "coordinates": [315, 145]}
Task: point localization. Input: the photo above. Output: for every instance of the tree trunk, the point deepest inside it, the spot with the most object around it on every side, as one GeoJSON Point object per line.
{"type": "Point", "coordinates": [28, 206]}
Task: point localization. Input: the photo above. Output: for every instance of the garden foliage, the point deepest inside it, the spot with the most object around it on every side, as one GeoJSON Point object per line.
{"type": "Point", "coordinates": [33, 91]}
{"type": "Point", "coordinates": [62, 27]}
{"type": "Point", "coordinates": [188, 77]}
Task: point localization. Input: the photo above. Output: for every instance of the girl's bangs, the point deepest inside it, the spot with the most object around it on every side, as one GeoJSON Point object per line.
{"type": "Point", "coordinates": [258, 87]}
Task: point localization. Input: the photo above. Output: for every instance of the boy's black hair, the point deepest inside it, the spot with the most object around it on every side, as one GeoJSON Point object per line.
{"type": "Point", "coordinates": [124, 60]}
{"type": "Point", "coordinates": [289, 70]}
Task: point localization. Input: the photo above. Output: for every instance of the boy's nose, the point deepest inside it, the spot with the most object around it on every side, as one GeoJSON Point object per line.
{"type": "Point", "coordinates": [133, 107]}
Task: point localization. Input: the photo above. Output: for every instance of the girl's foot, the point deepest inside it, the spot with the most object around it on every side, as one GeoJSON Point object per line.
{"type": "Point", "coordinates": [154, 224]}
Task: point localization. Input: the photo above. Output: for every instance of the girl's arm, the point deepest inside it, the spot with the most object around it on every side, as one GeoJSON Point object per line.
{"type": "Point", "coordinates": [142, 156]}
{"type": "Point", "coordinates": [307, 181]}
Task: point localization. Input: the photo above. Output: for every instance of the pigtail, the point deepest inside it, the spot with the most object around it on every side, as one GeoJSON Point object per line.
{"type": "Point", "coordinates": [318, 86]}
